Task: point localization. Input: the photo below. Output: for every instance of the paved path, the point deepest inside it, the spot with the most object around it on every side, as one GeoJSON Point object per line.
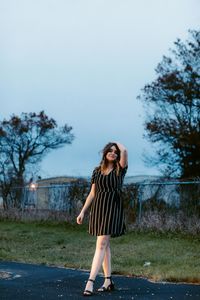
{"type": "Point", "coordinates": [37, 282]}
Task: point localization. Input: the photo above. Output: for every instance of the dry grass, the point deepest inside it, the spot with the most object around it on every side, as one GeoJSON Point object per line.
{"type": "Point", "coordinates": [156, 220]}
{"type": "Point", "coordinates": [38, 215]}
{"type": "Point", "coordinates": [162, 221]}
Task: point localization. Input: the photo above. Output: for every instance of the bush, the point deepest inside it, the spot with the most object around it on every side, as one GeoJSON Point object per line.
{"type": "Point", "coordinates": [167, 222]}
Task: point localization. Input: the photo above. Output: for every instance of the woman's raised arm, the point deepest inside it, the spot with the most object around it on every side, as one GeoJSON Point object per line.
{"type": "Point", "coordinates": [123, 155]}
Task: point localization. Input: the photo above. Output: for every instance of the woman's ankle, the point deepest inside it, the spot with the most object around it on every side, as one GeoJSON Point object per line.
{"type": "Point", "coordinates": [108, 278]}
{"type": "Point", "coordinates": [89, 285]}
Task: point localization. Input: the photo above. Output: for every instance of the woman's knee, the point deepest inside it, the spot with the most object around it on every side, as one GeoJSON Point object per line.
{"type": "Point", "coordinates": [103, 242]}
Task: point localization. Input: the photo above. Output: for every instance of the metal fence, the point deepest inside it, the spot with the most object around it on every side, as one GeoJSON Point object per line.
{"type": "Point", "coordinates": [55, 197]}
{"type": "Point", "coordinates": [172, 196]}
{"type": "Point", "coordinates": [138, 198]}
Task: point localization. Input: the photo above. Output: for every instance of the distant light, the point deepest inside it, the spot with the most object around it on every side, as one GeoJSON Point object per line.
{"type": "Point", "coordinates": [33, 186]}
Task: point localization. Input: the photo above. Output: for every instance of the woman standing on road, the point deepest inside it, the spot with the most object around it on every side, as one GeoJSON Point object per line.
{"type": "Point", "coordinates": [106, 213]}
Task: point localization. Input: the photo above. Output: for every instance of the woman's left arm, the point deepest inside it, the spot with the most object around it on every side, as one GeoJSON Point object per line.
{"type": "Point", "coordinates": [123, 155]}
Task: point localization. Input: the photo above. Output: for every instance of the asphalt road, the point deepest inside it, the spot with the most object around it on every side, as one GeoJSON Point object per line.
{"type": "Point", "coordinates": [38, 282]}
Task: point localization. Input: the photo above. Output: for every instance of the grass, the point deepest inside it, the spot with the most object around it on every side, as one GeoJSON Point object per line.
{"type": "Point", "coordinates": [172, 257]}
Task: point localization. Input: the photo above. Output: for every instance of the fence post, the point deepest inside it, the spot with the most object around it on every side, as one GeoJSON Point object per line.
{"type": "Point", "coordinates": [140, 202]}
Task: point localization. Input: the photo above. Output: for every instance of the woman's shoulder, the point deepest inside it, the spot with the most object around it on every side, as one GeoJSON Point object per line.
{"type": "Point", "coordinates": [123, 170]}
{"type": "Point", "coordinates": [94, 175]}
{"type": "Point", "coordinates": [96, 170]}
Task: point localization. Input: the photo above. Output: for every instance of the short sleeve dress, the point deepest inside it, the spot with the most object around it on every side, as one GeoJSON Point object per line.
{"type": "Point", "coordinates": [107, 213]}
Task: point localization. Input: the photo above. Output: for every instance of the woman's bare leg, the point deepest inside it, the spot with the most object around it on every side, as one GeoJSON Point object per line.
{"type": "Point", "coordinates": [101, 245]}
{"type": "Point", "coordinates": [107, 265]}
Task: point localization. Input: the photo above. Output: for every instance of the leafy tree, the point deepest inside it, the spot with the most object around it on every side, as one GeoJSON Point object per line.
{"type": "Point", "coordinates": [172, 103]}
{"type": "Point", "coordinates": [24, 141]}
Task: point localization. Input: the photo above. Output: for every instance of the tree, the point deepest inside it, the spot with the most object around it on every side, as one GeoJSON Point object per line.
{"type": "Point", "coordinates": [24, 141]}
{"type": "Point", "coordinates": [172, 103]}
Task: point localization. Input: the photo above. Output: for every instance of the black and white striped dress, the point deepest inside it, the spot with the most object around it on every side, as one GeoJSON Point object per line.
{"type": "Point", "coordinates": [106, 213]}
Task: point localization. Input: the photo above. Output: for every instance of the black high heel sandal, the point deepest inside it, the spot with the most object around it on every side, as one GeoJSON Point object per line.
{"type": "Point", "coordinates": [109, 288]}
{"type": "Point", "coordinates": [87, 293]}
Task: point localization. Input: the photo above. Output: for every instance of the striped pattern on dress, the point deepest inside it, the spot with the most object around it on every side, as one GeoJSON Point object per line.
{"type": "Point", "coordinates": [107, 213]}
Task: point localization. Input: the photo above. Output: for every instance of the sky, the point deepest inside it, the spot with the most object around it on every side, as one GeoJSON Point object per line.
{"type": "Point", "coordinates": [84, 62]}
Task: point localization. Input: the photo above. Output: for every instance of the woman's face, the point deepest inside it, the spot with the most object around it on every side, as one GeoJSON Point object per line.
{"type": "Point", "coordinates": [111, 155]}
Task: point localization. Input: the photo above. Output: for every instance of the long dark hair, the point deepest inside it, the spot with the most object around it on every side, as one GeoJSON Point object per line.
{"type": "Point", "coordinates": [104, 161]}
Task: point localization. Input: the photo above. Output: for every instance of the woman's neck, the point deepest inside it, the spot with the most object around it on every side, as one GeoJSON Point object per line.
{"type": "Point", "coordinates": [110, 166]}
{"type": "Point", "coordinates": [108, 169]}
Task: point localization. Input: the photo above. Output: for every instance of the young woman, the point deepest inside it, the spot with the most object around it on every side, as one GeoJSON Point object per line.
{"type": "Point", "coordinates": [106, 213]}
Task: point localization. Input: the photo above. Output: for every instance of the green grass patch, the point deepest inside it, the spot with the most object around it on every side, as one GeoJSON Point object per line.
{"type": "Point", "coordinates": [171, 257]}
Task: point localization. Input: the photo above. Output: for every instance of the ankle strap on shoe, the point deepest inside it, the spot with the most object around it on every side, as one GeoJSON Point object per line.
{"type": "Point", "coordinates": [91, 280]}
{"type": "Point", "coordinates": [109, 277]}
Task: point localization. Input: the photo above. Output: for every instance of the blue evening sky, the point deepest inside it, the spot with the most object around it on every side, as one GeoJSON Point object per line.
{"type": "Point", "coordinates": [84, 62]}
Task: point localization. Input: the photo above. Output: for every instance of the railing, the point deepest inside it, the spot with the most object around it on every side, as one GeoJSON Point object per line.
{"type": "Point", "coordinates": [140, 199]}
{"type": "Point", "coordinates": [181, 192]}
